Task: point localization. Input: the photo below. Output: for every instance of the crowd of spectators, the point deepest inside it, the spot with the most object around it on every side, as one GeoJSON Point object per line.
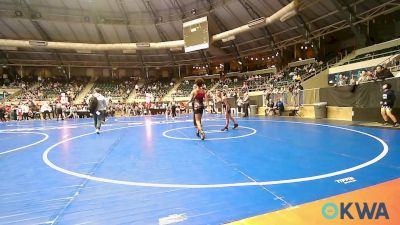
{"type": "Point", "coordinates": [116, 88]}
{"type": "Point", "coordinates": [275, 88]}
{"type": "Point", "coordinates": [49, 89]}
{"type": "Point", "coordinates": [361, 76]}
{"type": "Point", "coordinates": [186, 87]}
{"type": "Point", "coordinates": [157, 89]}
{"type": "Point", "coordinates": [299, 73]}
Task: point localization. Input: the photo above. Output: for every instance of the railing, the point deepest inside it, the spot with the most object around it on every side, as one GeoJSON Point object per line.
{"type": "Point", "coordinates": [374, 56]}
{"type": "Point", "coordinates": [289, 99]}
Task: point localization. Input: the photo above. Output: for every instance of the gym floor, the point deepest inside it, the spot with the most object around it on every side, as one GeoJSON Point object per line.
{"type": "Point", "coordinates": [148, 170]}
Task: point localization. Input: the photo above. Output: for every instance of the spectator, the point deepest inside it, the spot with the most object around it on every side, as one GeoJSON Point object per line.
{"type": "Point", "coordinates": [279, 107]}
{"type": "Point", "coordinates": [270, 107]}
{"type": "Point", "coordinates": [382, 73]}
{"type": "Point", "coordinates": [45, 109]}
{"type": "Point", "coordinates": [246, 103]}
{"type": "Point", "coordinates": [363, 78]}
{"type": "Point", "coordinates": [342, 80]}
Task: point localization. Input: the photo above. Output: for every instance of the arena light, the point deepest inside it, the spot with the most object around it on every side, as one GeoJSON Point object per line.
{"type": "Point", "coordinates": [37, 15]}
{"type": "Point", "coordinates": [256, 22]}
{"type": "Point", "coordinates": [86, 19]}
{"type": "Point", "coordinates": [6, 48]}
{"type": "Point", "coordinates": [230, 38]}
{"type": "Point", "coordinates": [18, 13]}
{"type": "Point", "coordinates": [82, 51]}
{"type": "Point", "coordinates": [129, 51]}
{"type": "Point", "coordinates": [288, 16]}
{"type": "Point", "coordinates": [143, 45]}
{"type": "Point", "coordinates": [38, 43]}
{"type": "Point", "coordinates": [177, 49]}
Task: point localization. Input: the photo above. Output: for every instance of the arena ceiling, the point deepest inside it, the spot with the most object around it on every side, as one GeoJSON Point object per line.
{"type": "Point", "coordinates": [126, 21]}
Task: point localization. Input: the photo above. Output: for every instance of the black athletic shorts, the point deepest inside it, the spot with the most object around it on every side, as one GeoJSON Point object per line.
{"type": "Point", "coordinates": [198, 110]}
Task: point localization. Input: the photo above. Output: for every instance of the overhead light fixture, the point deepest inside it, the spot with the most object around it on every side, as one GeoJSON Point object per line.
{"type": "Point", "coordinates": [143, 44]}
{"type": "Point", "coordinates": [86, 19]}
{"type": "Point", "coordinates": [129, 51]}
{"type": "Point", "coordinates": [230, 38]}
{"type": "Point", "coordinates": [18, 13]}
{"type": "Point", "coordinates": [83, 51]}
{"type": "Point", "coordinates": [240, 62]}
{"type": "Point", "coordinates": [288, 16]}
{"type": "Point", "coordinates": [8, 48]}
{"type": "Point", "coordinates": [176, 49]}
{"type": "Point", "coordinates": [38, 43]}
{"type": "Point", "coordinates": [256, 22]}
{"type": "Point", "coordinates": [37, 15]}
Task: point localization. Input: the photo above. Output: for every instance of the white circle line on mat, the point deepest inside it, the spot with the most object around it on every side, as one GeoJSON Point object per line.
{"type": "Point", "coordinates": [25, 146]}
{"type": "Point", "coordinates": [165, 134]}
{"type": "Point", "coordinates": [221, 185]}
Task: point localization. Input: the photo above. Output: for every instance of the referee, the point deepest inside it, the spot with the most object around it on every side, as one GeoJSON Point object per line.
{"type": "Point", "coordinates": [387, 103]}
{"type": "Point", "coordinates": [98, 105]}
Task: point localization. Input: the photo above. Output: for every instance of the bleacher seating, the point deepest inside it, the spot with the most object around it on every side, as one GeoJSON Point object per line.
{"type": "Point", "coordinates": [186, 87]}
{"type": "Point", "coordinates": [376, 54]}
{"type": "Point", "coordinates": [158, 89]}
{"type": "Point", "coordinates": [117, 89]}
{"type": "Point", "coordinates": [50, 88]}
